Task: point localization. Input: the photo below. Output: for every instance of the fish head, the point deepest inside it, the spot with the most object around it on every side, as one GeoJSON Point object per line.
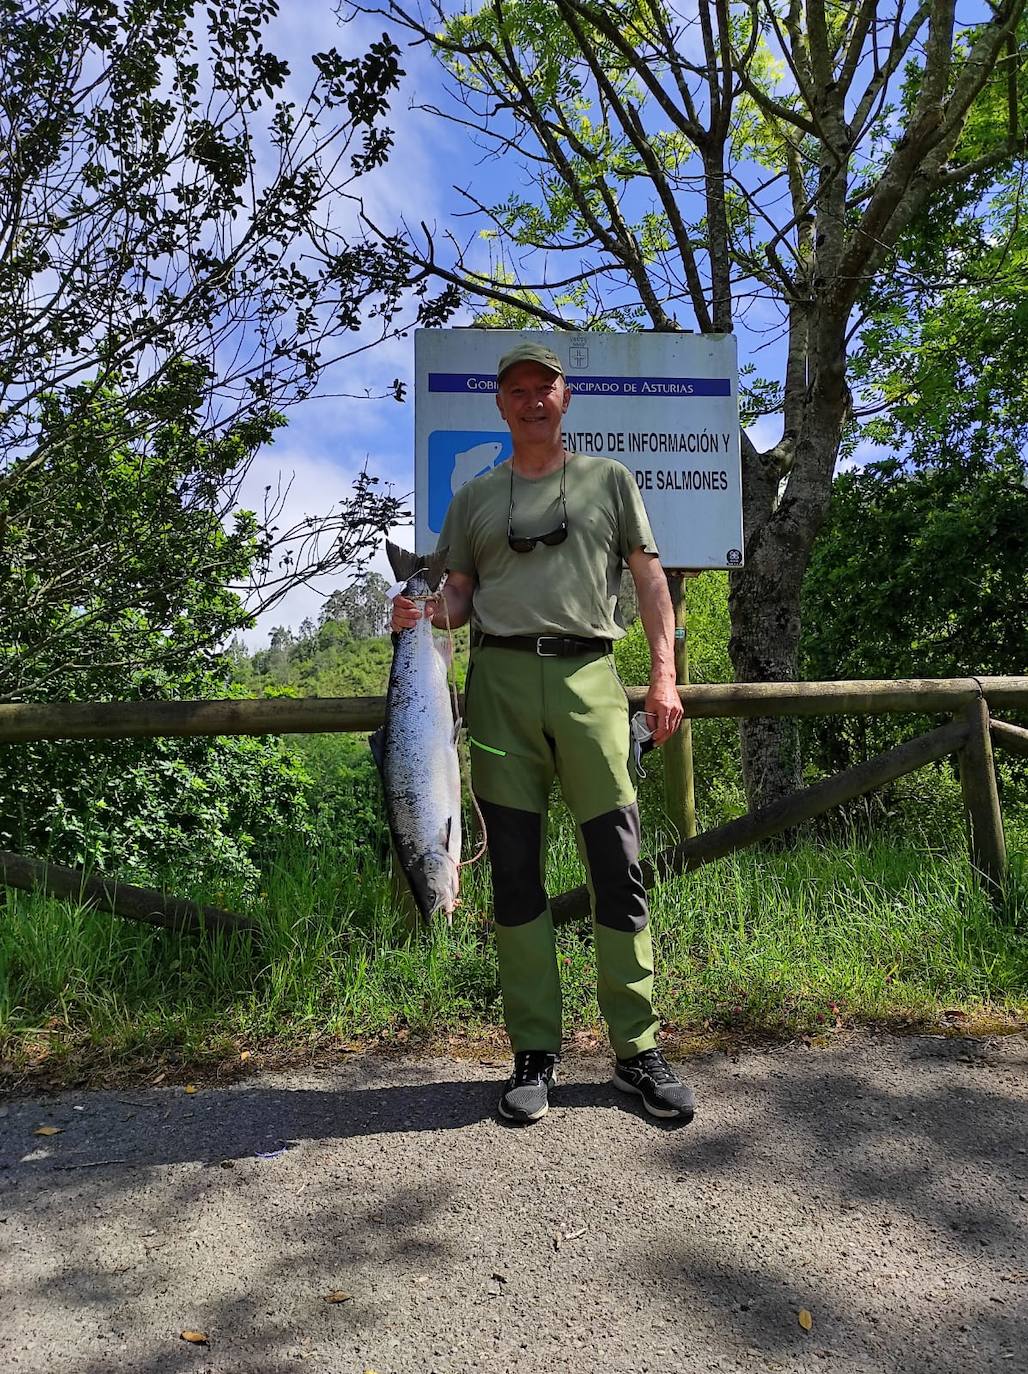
{"type": "Point", "coordinates": [446, 883]}
{"type": "Point", "coordinates": [436, 882]}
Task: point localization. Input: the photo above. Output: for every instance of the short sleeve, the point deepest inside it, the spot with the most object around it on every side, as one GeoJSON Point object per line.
{"type": "Point", "coordinates": [455, 536]}
{"type": "Point", "coordinates": [634, 524]}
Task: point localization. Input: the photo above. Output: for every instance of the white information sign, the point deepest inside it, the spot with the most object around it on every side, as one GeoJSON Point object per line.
{"type": "Point", "coordinates": [665, 405]}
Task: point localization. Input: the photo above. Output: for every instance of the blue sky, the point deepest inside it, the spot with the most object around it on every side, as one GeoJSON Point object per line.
{"type": "Point", "coordinates": [334, 434]}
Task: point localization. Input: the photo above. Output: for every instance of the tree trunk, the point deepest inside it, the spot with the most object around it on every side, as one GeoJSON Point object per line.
{"type": "Point", "coordinates": [780, 527]}
{"type": "Point", "coordinates": [764, 647]}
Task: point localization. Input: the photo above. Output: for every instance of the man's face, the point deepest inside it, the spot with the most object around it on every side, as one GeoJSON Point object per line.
{"type": "Point", "coordinates": [532, 400]}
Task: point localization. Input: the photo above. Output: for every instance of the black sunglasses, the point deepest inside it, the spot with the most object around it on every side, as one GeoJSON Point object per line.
{"type": "Point", "coordinates": [524, 543]}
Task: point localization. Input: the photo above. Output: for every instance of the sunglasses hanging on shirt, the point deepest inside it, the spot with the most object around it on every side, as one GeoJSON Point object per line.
{"type": "Point", "coordinates": [525, 543]}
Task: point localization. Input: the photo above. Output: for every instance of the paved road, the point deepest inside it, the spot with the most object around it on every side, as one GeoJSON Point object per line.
{"type": "Point", "coordinates": [879, 1184]}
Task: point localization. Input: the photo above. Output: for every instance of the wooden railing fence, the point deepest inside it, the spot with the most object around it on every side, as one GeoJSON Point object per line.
{"type": "Point", "coordinates": [970, 734]}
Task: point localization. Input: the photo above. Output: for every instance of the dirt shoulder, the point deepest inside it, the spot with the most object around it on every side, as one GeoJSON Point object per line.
{"type": "Point", "coordinates": [878, 1183]}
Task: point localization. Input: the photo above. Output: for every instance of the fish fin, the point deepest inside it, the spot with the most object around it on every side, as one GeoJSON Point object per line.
{"type": "Point", "coordinates": [445, 835]}
{"type": "Point", "coordinates": [376, 743]}
{"type": "Point", "coordinates": [444, 649]}
{"type": "Point", "coordinates": [403, 564]}
{"type": "Point", "coordinates": [453, 841]}
{"type": "Point", "coordinates": [435, 564]}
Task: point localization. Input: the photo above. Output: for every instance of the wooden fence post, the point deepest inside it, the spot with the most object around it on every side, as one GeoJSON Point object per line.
{"type": "Point", "coordinates": [985, 840]}
{"type": "Point", "coordinates": [679, 791]}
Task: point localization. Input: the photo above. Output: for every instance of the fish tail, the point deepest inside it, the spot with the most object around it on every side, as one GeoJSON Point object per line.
{"type": "Point", "coordinates": [405, 565]}
{"type": "Point", "coordinates": [436, 566]}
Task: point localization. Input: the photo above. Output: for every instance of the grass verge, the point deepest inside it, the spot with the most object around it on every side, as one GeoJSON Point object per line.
{"type": "Point", "coordinates": [822, 935]}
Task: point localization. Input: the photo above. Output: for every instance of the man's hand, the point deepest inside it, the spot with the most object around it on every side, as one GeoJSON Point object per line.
{"type": "Point", "coordinates": [407, 613]}
{"type": "Point", "coordinates": [663, 701]}
{"type": "Point", "coordinates": [456, 592]}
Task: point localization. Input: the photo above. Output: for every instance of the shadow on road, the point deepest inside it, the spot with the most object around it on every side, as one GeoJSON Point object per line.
{"type": "Point", "coordinates": [881, 1185]}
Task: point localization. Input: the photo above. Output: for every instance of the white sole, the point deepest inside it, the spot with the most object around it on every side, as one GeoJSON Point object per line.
{"type": "Point", "coordinates": [523, 1120]}
{"type": "Point", "coordinates": [536, 1116]}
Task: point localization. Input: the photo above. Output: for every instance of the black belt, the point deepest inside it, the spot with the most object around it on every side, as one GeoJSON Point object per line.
{"type": "Point", "coordinates": [546, 646]}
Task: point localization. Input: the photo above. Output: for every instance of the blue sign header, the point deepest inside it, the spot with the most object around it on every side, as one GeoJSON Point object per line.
{"type": "Point", "coordinates": [475, 383]}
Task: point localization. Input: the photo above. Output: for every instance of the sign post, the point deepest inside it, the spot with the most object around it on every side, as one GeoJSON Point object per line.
{"type": "Point", "coordinates": [679, 788]}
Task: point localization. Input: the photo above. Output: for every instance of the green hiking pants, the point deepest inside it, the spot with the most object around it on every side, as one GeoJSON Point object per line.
{"type": "Point", "coordinates": [530, 719]}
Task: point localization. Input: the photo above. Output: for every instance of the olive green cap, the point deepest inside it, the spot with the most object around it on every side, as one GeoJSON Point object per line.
{"type": "Point", "coordinates": [530, 353]}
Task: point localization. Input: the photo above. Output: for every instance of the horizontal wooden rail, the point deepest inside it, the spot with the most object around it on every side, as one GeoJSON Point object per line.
{"type": "Point", "coordinates": [784, 814]}
{"type": "Point", "coordinates": [108, 894]}
{"type": "Point", "coordinates": [22, 722]}
{"type": "Point", "coordinates": [1010, 737]}
{"type": "Point", "coordinates": [142, 719]}
{"type": "Point", "coordinates": [857, 697]}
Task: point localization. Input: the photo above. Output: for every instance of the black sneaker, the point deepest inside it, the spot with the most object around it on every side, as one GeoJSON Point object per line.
{"type": "Point", "coordinates": [652, 1077]}
{"type": "Point", "coordinates": [526, 1096]}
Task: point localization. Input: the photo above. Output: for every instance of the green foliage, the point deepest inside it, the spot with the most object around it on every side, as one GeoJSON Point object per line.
{"type": "Point", "coordinates": [115, 558]}
{"type": "Point", "coordinates": [185, 813]}
{"type": "Point", "coordinates": [330, 658]}
{"type": "Point", "coordinates": [949, 364]}
{"type": "Point", "coordinates": [944, 358]}
{"type": "Point", "coordinates": [345, 796]}
{"type": "Point", "coordinates": [317, 661]}
{"type": "Point", "coordinates": [170, 282]}
{"type": "Point", "coordinates": [917, 574]}
{"type": "Point", "coordinates": [363, 606]}
{"type": "Point", "coordinates": [708, 628]}
{"type": "Point", "coordinates": [920, 574]}
{"type": "Point", "coordinates": [116, 569]}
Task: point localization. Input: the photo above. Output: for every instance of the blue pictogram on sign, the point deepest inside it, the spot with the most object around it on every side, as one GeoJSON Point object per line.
{"type": "Point", "coordinates": [455, 456]}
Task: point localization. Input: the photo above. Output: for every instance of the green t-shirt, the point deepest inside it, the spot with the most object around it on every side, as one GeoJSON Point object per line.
{"type": "Point", "coordinates": [570, 588]}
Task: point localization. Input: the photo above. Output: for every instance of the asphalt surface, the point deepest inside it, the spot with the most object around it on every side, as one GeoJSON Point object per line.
{"type": "Point", "coordinates": [881, 1185]}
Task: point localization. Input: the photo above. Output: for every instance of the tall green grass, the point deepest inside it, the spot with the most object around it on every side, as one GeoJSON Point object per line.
{"type": "Point", "coordinates": [848, 929]}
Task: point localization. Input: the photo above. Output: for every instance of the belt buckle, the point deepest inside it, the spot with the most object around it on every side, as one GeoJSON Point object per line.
{"type": "Point", "coordinates": [539, 646]}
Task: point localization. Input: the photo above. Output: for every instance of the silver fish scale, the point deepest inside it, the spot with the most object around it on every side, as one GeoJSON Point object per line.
{"type": "Point", "coordinates": [420, 754]}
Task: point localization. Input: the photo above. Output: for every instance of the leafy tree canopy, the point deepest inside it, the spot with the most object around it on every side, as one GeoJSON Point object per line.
{"type": "Point", "coordinates": [364, 606]}
{"type": "Point", "coordinates": [175, 270]}
{"type": "Point", "coordinates": [732, 167]}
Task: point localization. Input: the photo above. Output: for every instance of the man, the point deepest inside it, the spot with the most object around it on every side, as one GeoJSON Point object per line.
{"type": "Point", "coordinates": [536, 548]}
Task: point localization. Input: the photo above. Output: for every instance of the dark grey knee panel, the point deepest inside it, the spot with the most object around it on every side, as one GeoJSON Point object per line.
{"type": "Point", "coordinates": [612, 852]}
{"type": "Point", "coordinates": [515, 853]}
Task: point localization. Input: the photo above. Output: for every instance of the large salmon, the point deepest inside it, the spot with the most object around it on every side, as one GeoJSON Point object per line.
{"type": "Point", "coordinates": [416, 749]}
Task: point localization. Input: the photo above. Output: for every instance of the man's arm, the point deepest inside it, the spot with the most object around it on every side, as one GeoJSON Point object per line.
{"type": "Point", "coordinates": [658, 618]}
{"type": "Point", "coordinates": [456, 590]}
